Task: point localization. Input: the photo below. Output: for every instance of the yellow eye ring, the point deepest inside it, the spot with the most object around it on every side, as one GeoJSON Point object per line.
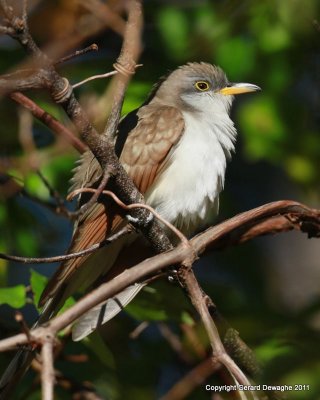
{"type": "Point", "coordinates": [202, 86]}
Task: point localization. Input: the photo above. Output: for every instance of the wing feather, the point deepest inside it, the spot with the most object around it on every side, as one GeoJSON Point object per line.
{"type": "Point", "coordinates": [147, 147]}
{"type": "Point", "coordinates": [144, 154]}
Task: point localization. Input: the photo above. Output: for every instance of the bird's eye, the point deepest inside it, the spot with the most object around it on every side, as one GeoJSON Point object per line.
{"type": "Point", "coordinates": [202, 86]}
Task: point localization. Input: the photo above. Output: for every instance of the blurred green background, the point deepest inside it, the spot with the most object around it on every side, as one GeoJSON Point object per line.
{"type": "Point", "coordinates": [267, 289]}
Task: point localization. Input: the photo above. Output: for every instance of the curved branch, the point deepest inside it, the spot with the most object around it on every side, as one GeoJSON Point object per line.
{"type": "Point", "coordinates": [49, 120]}
{"type": "Point", "coordinates": [234, 228]}
{"type": "Point", "coordinates": [271, 218]}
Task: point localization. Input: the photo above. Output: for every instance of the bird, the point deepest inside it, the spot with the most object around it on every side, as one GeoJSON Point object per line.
{"type": "Point", "coordinates": [175, 148]}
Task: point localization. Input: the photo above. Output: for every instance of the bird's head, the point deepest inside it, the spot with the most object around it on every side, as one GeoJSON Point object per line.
{"type": "Point", "coordinates": [199, 87]}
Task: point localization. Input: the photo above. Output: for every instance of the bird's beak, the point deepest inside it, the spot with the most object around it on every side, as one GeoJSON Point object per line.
{"type": "Point", "coordinates": [238, 88]}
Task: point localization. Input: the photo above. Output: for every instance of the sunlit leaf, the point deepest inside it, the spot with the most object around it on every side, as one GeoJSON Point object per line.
{"type": "Point", "coordinates": [35, 187]}
{"type": "Point", "coordinates": [13, 296]}
{"type": "Point", "coordinates": [275, 38]}
{"type": "Point", "coordinates": [145, 312]}
{"type": "Point", "coordinates": [271, 349]}
{"type": "Point", "coordinates": [136, 95]}
{"type": "Point", "coordinates": [26, 243]}
{"type": "Point", "coordinates": [301, 169]}
{"type": "Point", "coordinates": [187, 319]}
{"type": "Point", "coordinates": [237, 55]}
{"type": "Point", "coordinates": [38, 283]}
{"type": "Point", "coordinates": [58, 171]}
{"type": "Point", "coordinates": [263, 129]}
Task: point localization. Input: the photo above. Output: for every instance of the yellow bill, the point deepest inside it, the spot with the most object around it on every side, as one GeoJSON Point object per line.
{"type": "Point", "coordinates": [238, 88]}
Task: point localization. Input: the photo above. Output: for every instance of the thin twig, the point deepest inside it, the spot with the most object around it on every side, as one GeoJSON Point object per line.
{"type": "Point", "coordinates": [21, 321]}
{"type": "Point", "coordinates": [96, 193]}
{"type": "Point", "coordinates": [78, 53]}
{"type": "Point", "coordinates": [91, 78]}
{"type": "Point", "coordinates": [138, 330]}
{"type": "Point", "coordinates": [39, 260]}
{"type": "Point", "coordinates": [104, 13]}
{"type": "Point", "coordinates": [47, 204]}
{"type": "Point", "coordinates": [193, 379]}
{"type": "Point", "coordinates": [133, 206]}
{"type": "Point", "coordinates": [100, 76]}
{"type": "Point", "coordinates": [52, 123]}
{"type": "Point", "coordinates": [174, 342]}
{"type": "Point", "coordinates": [53, 193]}
{"type": "Point", "coordinates": [154, 264]}
{"type": "Point", "coordinates": [126, 64]}
{"type": "Point", "coordinates": [198, 300]}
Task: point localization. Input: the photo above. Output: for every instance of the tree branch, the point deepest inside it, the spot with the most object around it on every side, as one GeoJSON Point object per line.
{"type": "Point", "coordinates": [52, 123]}
{"type": "Point", "coordinates": [47, 370]}
{"type": "Point", "coordinates": [212, 238]}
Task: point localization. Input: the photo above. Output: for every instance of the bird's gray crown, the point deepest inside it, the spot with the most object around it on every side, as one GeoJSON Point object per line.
{"type": "Point", "coordinates": [192, 79]}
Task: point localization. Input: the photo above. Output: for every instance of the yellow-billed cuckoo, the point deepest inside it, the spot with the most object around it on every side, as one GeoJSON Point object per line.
{"type": "Point", "coordinates": [175, 148]}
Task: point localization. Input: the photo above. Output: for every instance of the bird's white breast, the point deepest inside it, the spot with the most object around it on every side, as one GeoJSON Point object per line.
{"type": "Point", "coordinates": [187, 191]}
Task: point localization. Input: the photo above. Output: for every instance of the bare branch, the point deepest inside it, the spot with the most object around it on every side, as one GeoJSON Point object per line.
{"type": "Point", "coordinates": [197, 297]}
{"type": "Point", "coordinates": [138, 330]}
{"type": "Point", "coordinates": [174, 342]}
{"type": "Point", "coordinates": [267, 219]}
{"type": "Point", "coordinates": [78, 53]}
{"type": "Point", "coordinates": [193, 379]}
{"type": "Point", "coordinates": [96, 193]}
{"type": "Point", "coordinates": [49, 120]}
{"type": "Point", "coordinates": [176, 256]}
{"type": "Point", "coordinates": [104, 13]}
{"type": "Point", "coordinates": [91, 78]}
{"type": "Point", "coordinates": [120, 203]}
{"type": "Point", "coordinates": [23, 325]}
{"type": "Point", "coordinates": [47, 370]}
{"type": "Point", "coordinates": [126, 64]}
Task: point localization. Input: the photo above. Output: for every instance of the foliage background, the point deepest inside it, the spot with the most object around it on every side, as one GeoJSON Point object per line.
{"type": "Point", "coordinates": [267, 289]}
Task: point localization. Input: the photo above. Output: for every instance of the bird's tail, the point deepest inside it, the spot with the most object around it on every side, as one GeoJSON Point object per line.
{"type": "Point", "coordinates": [18, 366]}
{"type": "Point", "coordinates": [22, 360]}
{"type": "Point", "coordinates": [103, 312]}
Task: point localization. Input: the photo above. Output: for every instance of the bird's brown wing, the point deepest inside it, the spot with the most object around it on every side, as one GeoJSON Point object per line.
{"type": "Point", "coordinates": [143, 156]}
{"type": "Point", "coordinates": [148, 145]}
{"type": "Point", "coordinates": [94, 226]}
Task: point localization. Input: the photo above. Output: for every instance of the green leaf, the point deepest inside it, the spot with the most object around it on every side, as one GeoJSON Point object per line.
{"type": "Point", "coordinates": [301, 169]}
{"type": "Point", "coordinates": [263, 129]}
{"type": "Point", "coordinates": [35, 187]}
{"type": "Point", "coordinates": [275, 38]}
{"type": "Point", "coordinates": [237, 56]}
{"type": "Point", "coordinates": [135, 96]}
{"type": "Point", "coordinates": [96, 344]}
{"type": "Point", "coordinates": [271, 349]}
{"type": "Point", "coordinates": [26, 243]}
{"type": "Point", "coordinates": [187, 319]}
{"type": "Point", "coordinates": [144, 312]}
{"type": "Point", "coordinates": [154, 304]}
{"type": "Point", "coordinates": [13, 296]}
{"type": "Point", "coordinates": [38, 283]}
